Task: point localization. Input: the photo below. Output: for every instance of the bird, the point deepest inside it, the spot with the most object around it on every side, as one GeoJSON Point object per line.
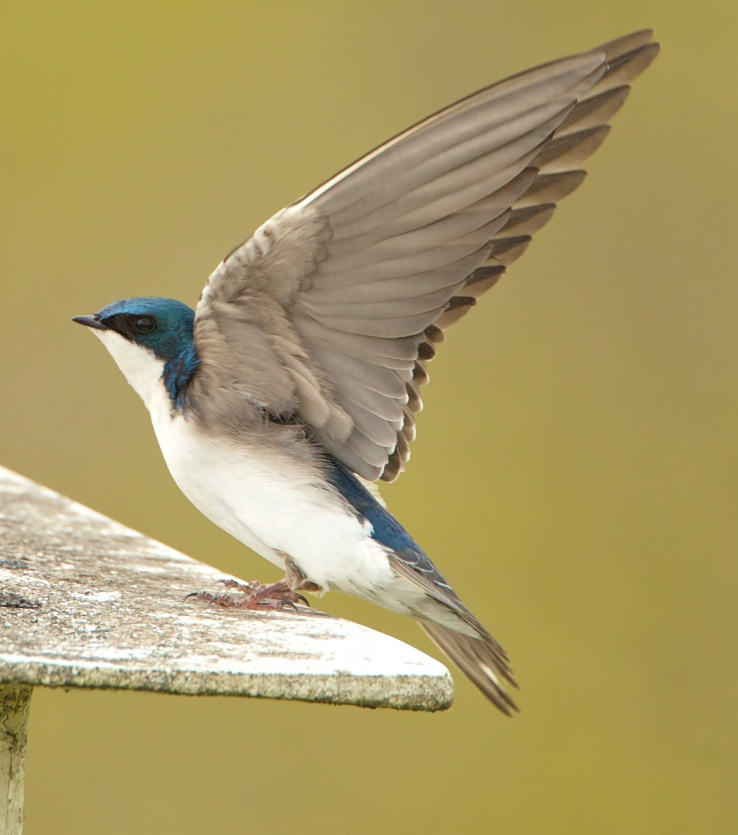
{"type": "Point", "coordinates": [293, 386]}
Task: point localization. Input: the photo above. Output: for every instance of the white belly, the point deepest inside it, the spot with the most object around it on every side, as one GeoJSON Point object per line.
{"type": "Point", "coordinates": [268, 500]}
{"type": "Point", "coordinates": [274, 507]}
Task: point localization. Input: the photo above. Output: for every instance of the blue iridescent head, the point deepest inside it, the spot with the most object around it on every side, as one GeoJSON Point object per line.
{"type": "Point", "coordinates": [163, 326]}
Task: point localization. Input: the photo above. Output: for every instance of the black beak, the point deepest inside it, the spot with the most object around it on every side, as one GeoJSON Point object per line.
{"type": "Point", "coordinates": [90, 322]}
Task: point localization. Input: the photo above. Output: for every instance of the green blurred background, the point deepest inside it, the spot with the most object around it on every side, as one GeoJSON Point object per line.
{"type": "Point", "coordinates": [575, 474]}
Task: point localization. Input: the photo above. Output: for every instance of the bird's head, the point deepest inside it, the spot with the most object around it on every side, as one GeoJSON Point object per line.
{"type": "Point", "coordinates": [150, 340]}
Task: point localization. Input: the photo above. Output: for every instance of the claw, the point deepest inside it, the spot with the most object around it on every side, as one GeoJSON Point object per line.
{"type": "Point", "coordinates": [278, 597]}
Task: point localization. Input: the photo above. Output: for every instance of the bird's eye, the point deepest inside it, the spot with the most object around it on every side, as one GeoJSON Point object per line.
{"type": "Point", "coordinates": [144, 324]}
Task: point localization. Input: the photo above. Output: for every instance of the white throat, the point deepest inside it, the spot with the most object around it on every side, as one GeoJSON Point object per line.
{"type": "Point", "coordinates": [140, 366]}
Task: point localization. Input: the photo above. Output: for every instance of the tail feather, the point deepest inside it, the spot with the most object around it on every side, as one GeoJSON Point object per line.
{"type": "Point", "coordinates": [481, 658]}
{"type": "Point", "coordinates": [468, 645]}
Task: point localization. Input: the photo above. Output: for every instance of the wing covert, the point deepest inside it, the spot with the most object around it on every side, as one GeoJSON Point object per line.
{"type": "Point", "coordinates": [335, 305]}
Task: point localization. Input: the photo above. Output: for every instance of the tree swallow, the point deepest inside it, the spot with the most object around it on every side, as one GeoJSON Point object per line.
{"type": "Point", "coordinates": [295, 382]}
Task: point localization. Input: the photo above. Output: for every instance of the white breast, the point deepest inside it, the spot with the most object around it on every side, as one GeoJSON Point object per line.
{"type": "Point", "coordinates": [272, 503]}
{"type": "Point", "coordinates": [266, 498]}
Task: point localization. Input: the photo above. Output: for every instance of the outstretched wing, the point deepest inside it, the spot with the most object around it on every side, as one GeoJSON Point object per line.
{"type": "Point", "coordinates": [331, 310]}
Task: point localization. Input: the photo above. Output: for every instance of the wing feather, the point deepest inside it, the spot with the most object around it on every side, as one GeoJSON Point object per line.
{"type": "Point", "coordinates": [332, 309]}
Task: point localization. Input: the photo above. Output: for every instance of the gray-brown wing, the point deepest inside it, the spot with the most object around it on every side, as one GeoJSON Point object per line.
{"type": "Point", "coordinates": [334, 306]}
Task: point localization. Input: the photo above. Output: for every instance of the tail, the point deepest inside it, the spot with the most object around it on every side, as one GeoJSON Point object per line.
{"type": "Point", "coordinates": [467, 643]}
{"type": "Point", "coordinates": [480, 658]}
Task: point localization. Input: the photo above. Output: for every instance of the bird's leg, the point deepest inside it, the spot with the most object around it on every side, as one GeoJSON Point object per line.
{"type": "Point", "coordinates": [256, 596]}
{"type": "Point", "coordinates": [237, 585]}
{"type": "Point", "coordinates": [295, 579]}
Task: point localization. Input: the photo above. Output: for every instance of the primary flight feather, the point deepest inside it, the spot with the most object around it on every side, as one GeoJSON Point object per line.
{"type": "Point", "coordinates": [297, 378]}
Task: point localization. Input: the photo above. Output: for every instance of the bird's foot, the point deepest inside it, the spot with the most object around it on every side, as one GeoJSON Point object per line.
{"type": "Point", "coordinates": [277, 597]}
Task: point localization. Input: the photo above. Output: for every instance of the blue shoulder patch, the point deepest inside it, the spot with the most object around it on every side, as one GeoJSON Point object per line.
{"type": "Point", "coordinates": [177, 374]}
{"type": "Point", "coordinates": [385, 528]}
